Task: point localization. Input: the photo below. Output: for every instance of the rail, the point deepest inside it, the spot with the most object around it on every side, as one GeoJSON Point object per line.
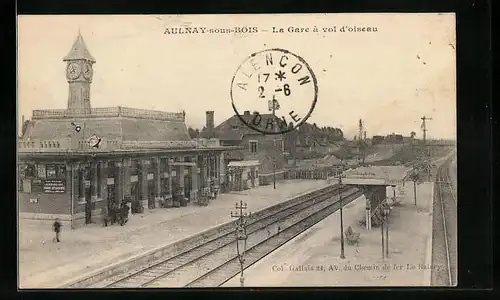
{"type": "Point", "coordinates": [444, 230]}
{"type": "Point", "coordinates": [227, 270]}
{"type": "Point", "coordinates": [163, 266]}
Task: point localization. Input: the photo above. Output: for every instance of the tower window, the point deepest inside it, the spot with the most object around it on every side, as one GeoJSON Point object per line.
{"type": "Point", "coordinates": [253, 146]}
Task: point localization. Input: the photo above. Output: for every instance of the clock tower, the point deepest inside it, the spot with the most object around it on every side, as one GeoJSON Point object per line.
{"type": "Point", "coordinates": [79, 75]}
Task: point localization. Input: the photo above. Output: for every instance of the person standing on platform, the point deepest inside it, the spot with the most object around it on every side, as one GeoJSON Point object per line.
{"type": "Point", "coordinates": [105, 216]}
{"type": "Point", "coordinates": [57, 229]}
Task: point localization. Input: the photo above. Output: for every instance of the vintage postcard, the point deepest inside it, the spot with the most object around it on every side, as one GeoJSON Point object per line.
{"type": "Point", "coordinates": [292, 150]}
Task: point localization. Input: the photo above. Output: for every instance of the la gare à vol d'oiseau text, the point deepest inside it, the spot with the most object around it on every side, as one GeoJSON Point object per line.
{"type": "Point", "coordinates": [254, 29]}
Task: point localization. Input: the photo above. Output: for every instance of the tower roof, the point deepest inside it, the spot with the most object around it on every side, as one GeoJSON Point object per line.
{"type": "Point", "coordinates": [79, 50]}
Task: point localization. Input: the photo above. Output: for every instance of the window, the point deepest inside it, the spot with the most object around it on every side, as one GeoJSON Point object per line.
{"type": "Point", "coordinates": [41, 171]}
{"type": "Point", "coordinates": [134, 164]}
{"type": "Point", "coordinates": [61, 171]}
{"type": "Point", "coordinates": [51, 171]}
{"type": "Point", "coordinates": [253, 146]}
{"type": "Point", "coordinates": [55, 171]}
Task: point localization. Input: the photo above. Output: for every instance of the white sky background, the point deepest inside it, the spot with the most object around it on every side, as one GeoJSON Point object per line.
{"type": "Point", "coordinates": [373, 76]}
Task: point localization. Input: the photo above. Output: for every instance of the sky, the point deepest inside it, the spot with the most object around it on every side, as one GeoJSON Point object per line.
{"type": "Point", "coordinates": [389, 78]}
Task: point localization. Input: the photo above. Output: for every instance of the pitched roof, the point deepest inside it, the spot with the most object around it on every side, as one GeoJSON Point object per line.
{"type": "Point", "coordinates": [123, 129]}
{"type": "Point", "coordinates": [79, 51]}
{"type": "Point", "coordinates": [234, 129]}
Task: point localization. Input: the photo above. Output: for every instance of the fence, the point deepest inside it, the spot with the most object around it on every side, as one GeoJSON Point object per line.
{"type": "Point", "coordinates": [266, 179]}
{"type": "Point", "coordinates": [312, 173]}
{"type": "Point", "coordinates": [108, 112]}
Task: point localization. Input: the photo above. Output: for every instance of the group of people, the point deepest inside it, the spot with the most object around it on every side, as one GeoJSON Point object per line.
{"type": "Point", "coordinates": [116, 214]}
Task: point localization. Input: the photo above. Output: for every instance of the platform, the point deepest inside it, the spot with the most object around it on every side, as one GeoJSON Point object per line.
{"type": "Point", "coordinates": [410, 232]}
{"type": "Point", "coordinates": [45, 264]}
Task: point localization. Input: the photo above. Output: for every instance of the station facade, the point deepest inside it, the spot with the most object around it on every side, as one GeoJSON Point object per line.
{"type": "Point", "coordinates": [76, 186]}
{"type": "Point", "coordinates": [257, 159]}
{"type": "Point", "coordinates": [75, 162]}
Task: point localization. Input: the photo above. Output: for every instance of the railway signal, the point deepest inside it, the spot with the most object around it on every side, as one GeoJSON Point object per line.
{"type": "Point", "coordinates": [424, 127]}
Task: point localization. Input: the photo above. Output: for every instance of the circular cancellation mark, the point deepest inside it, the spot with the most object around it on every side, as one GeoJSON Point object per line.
{"type": "Point", "coordinates": [274, 91]}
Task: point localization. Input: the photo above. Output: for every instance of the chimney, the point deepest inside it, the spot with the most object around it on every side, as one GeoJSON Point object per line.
{"type": "Point", "coordinates": [246, 113]}
{"type": "Point", "coordinates": [210, 121]}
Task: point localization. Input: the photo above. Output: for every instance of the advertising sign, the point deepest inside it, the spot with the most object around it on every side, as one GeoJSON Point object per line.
{"type": "Point", "coordinates": [54, 186]}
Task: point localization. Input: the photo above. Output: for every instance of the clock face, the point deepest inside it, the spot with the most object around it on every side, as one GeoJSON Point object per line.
{"type": "Point", "coordinates": [73, 70]}
{"type": "Point", "coordinates": [87, 71]}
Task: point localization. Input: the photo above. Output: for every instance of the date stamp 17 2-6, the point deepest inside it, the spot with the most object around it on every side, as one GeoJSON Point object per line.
{"type": "Point", "coordinates": [278, 87]}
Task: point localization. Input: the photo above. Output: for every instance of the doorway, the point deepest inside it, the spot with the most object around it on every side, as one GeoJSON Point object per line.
{"type": "Point", "coordinates": [134, 192]}
{"type": "Point", "coordinates": [111, 196]}
{"type": "Point", "coordinates": [187, 186]}
{"type": "Point", "coordinates": [151, 193]}
{"type": "Point", "coordinates": [88, 206]}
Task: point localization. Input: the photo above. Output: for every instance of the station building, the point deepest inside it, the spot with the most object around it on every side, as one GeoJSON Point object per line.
{"type": "Point", "coordinates": [73, 162]}
{"type": "Point", "coordinates": [254, 156]}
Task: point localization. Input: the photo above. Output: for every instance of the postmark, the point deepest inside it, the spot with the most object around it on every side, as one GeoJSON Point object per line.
{"type": "Point", "coordinates": [274, 91]}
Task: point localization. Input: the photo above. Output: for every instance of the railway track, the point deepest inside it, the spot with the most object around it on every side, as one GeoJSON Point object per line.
{"type": "Point", "coordinates": [444, 233]}
{"type": "Point", "coordinates": [187, 266]}
{"type": "Point", "coordinates": [223, 273]}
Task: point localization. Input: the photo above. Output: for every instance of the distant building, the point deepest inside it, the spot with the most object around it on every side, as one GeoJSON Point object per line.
{"type": "Point", "coordinates": [377, 139]}
{"type": "Point", "coordinates": [75, 162]}
{"type": "Point", "coordinates": [389, 139]}
{"type": "Point", "coordinates": [394, 138]}
{"type": "Point", "coordinates": [251, 164]}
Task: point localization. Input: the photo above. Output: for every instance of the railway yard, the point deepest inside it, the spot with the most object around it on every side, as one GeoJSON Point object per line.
{"type": "Point", "coordinates": [291, 232]}
{"type": "Point", "coordinates": [214, 261]}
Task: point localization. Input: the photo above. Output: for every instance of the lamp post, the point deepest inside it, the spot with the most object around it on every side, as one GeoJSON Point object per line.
{"type": "Point", "coordinates": [382, 231]}
{"type": "Point", "coordinates": [273, 105]}
{"type": "Point", "coordinates": [342, 254]}
{"type": "Point", "coordinates": [241, 235]}
{"type": "Point", "coordinates": [387, 210]}
{"type": "Point", "coordinates": [394, 193]}
{"type": "Point", "coordinates": [274, 165]}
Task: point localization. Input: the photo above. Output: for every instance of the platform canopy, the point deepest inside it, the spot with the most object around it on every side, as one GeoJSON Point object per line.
{"type": "Point", "coordinates": [375, 175]}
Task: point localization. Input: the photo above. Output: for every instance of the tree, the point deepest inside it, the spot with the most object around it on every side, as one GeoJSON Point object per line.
{"type": "Point", "coordinates": [415, 177]}
{"type": "Point", "coordinates": [24, 127]}
{"type": "Point", "coordinates": [412, 136]}
{"type": "Point", "coordinates": [363, 146]}
{"type": "Point", "coordinates": [193, 133]}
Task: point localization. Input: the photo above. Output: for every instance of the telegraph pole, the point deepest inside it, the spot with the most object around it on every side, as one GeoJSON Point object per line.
{"type": "Point", "coordinates": [342, 254]}
{"type": "Point", "coordinates": [273, 107]}
{"type": "Point", "coordinates": [241, 236]}
{"type": "Point", "coordinates": [275, 154]}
